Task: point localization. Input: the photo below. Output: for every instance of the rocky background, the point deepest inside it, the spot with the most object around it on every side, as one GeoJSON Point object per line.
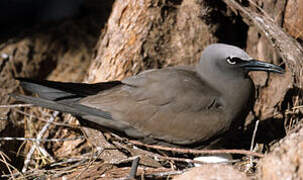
{"type": "Point", "coordinates": [97, 40]}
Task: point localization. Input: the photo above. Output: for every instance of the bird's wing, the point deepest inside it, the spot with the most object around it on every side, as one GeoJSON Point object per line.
{"type": "Point", "coordinates": [171, 104]}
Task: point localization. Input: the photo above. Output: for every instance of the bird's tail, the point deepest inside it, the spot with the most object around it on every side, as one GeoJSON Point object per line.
{"type": "Point", "coordinates": [44, 103]}
{"type": "Point", "coordinates": [63, 96]}
{"type": "Point", "coordinates": [59, 91]}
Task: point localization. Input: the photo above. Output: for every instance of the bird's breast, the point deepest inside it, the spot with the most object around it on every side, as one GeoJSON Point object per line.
{"type": "Point", "coordinates": [237, 100]}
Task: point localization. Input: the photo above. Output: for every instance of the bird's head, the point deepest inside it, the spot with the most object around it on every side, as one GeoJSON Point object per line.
{"type": "Point", "coordinates": [232, 61]}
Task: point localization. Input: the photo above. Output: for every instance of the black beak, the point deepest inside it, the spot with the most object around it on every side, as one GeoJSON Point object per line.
{"type": "Point", "coordinates": [256, 65]}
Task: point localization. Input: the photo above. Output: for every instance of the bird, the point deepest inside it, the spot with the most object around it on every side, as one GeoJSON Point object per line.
{"type": "Point", "coordinates": [182, 105]}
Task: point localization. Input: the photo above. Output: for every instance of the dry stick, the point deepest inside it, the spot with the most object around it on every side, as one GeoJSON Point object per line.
{"type": "Point", "coordinates": [32, 172]}
{"type": "Point", "coordinates": [297, 107]}
{"type": "Point", "coordinates": [85, 157]}
{"type": "Point", "coordinates": [161, 174]}
{"type": "Point", "coordinates": [189, 160]}
{"type": "Point", "coordinates": [254, 135]}
{"type": "Point", "coordinates": [91, 162]}
{"type": "Point", "coordinates": [45, 120]}
{"type": "Point", "coordinates": [253, 143]}
{"type": "Point", "coordinates": [134, 167]}
{"type": "Point", "coordinates": [157, 156]}
{"type": "Point", "coordinates": [20, 148]}
{"type": "Point", "coordinates": [194, 151]}
{"type": "Point", "coordinates": [40, 134]}
{"type": "Point", "coordinates": [8, 166]}
{"type": "Point", "coordinates": [42, 150]}
{"type": "Point", "coordinates": [45, 153]}
{"type": "Point", "coordinates": [130, 159]}
{"type": "Point", "coordinates": [67, 161]}
{"type": "Point", "coordinates": [16, 105]}
{"type": "Point", "coordinates": [39, 140]}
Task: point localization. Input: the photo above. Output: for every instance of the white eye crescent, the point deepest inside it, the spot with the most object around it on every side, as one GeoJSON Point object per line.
{"type": "Point", "coordinates": [229, 60]}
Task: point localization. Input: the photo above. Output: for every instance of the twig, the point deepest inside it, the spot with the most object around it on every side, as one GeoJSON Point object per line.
{"type": "Point", "coordinates": [85, 157]}
{"type": "Point", "coordinates": [61, 124]}
{"type": "Point", "coordinates": [67, 161]}
{"type": "Point", "coordinates": [91, 162]}
{"type": "Point", "coordinates": [124, 160]}
{"type": "Point", "coordinates": [8, 165]}
{"type": "Point", "coordinates": [34, 173]}
{"type": "Point", "coordinates": [193, 151]}
{"type": "Point", "coordinates": [39, 140]}
{"type": "Point", "coordinates": [45, 120]}
{"type": "Point", "coordinates": [189, 160]}
{"type": "Point", "coordinates": [297, 107]}
{"type": "Point", "coordinates": [162, 174]}
{"type": "Point", "coordinates": [157, 156]}
{"type": "Point", "coordinates": [16, 105]}
{"type": "Point", "coordinates": [133, 170]}
{"type": "Point", "coordinates": [253, 142]}
{"type": "Point", "coordinates": [45, 153]}
{"type": "Point", "coordinates": [40, 134]}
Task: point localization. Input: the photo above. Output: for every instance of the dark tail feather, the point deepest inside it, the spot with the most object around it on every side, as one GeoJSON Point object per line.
{"type": "Point", "coordinates": [43, 103]}
{"type": "Point", "coordinates": [75, 109]}
{"type": "Point", "coordinates": [46, 89]}
{"type": "Point", "coordinates": [59, 91]}
{"type": "Point", "coordinates": [62, 96]}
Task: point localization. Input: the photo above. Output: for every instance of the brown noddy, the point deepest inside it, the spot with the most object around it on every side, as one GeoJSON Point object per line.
{"type": "Point", "coordinates": [176, 105]}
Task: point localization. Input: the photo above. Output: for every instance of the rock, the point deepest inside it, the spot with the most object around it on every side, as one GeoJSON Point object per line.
{"type": "Point", "coordinates": [213, 171]}
{"type": "Point", "coordinates": [286, 159]}
{"type": "Point", "coordinates": [293, 19]}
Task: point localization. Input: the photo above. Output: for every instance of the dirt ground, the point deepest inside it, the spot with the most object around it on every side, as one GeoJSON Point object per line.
{"type": "Point", "coordinates": [110, 40]}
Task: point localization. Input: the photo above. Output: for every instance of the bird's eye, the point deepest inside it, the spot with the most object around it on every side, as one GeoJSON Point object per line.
{"type": "Point", "coordinates": [231, 61]}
